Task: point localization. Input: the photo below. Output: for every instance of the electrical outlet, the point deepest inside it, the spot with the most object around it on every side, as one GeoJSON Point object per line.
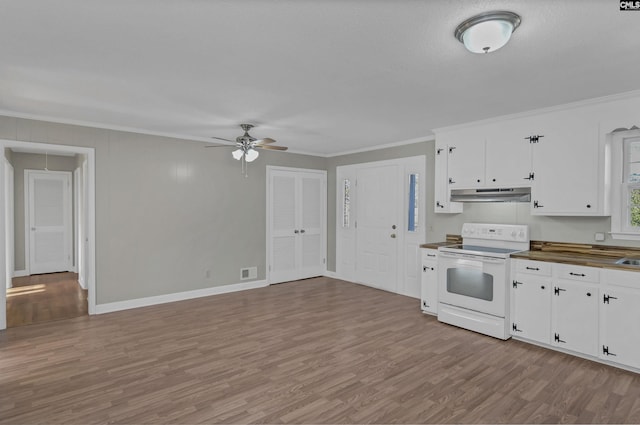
{"type": "Point", "coordinates": [599, 237]}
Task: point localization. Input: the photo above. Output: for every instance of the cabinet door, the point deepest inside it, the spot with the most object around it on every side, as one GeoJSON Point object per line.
{"type": "Point", "coordinates": [531, 308]}
{"type": "Point", "coordinates": [441, 203]}
{"type": "Point", "coordinates": [466, 161]}
{"type": "Point", "coordinates": [565, 167]}
{"type": "Point", "coordinates": [429, 281]}
{"type": "Point", "coordinates": [574, 317]}
{"type": "Point", "coordinates": [620, 325]}
{"type": "Point", "coordinates": [508, 154]}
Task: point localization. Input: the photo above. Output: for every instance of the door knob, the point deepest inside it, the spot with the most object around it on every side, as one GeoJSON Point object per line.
{"type": "Point", "coordinates": [301, 230]}
{"type": "Point", "coordinates": [33, 228]}
{"type": "Point", "coordinates": [393, 227]}
{"type": "Point", "coordinates": [296, 232]}
{"type": "Point", "coordinates": [393, 236]}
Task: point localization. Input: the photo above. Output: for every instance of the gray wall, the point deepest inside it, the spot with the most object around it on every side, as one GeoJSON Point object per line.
{"type": "Point", "coordinates": [31, 161]}
{"type": "Point", "coordinates": [168, 210]}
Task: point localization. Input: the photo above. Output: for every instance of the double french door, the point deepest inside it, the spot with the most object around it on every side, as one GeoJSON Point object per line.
{"type": "Point", "coordinates": [296, 223]}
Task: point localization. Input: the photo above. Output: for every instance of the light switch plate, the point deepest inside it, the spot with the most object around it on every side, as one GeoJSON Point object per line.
{"type": "Point", "coordinates": [599, 237]}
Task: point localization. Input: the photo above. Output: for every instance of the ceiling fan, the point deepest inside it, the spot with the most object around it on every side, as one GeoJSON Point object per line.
{"type": "Point", "coordinates": [246, 146]}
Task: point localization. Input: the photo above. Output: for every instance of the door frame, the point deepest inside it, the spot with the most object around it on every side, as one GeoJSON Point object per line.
{"type": "Point", "coordinates": [9, 220]}
{"type": "Point", "coordinates": [409, 242]}
{"type": "Point", "coordinates": [323, 218]}
{"type": "Point", "coordinates": [68, 212]}
{"type": "Point", "coordinates": [90, 179]}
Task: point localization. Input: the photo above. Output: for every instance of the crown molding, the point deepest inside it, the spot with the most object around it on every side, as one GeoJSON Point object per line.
{"type": "Point", "coordinates": [562, 107]}
{"type": "Point", "coordinates": [429, 138]}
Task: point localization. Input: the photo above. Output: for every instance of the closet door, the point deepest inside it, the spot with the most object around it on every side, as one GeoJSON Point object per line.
{"type": "Point", "coordinates": [296, 236]}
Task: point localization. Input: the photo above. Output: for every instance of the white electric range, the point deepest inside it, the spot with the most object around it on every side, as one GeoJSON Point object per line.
{"type": "Point", "coordinates": [473, 277]}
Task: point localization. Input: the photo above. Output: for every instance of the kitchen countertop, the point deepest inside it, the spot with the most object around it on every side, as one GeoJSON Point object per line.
{"type": "Point", "coordinates": [451, 240]}
{"type": "Point", "coordinates": [601, 256]}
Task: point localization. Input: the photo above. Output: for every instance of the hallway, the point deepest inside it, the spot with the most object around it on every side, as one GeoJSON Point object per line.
{"type": "Point", "coordinates": [45, 298]}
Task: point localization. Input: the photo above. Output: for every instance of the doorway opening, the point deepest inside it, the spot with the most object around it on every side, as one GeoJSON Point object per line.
{"type": "Point", "coordinates": [48, 258]}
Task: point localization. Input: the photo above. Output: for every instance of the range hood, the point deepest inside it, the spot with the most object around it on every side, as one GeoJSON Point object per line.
{"type": "Point", "coordinates": [521, 194]}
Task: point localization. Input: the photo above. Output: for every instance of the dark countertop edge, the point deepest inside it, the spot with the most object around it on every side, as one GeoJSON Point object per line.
{"type": "Point", "coordinates": [588, 260]}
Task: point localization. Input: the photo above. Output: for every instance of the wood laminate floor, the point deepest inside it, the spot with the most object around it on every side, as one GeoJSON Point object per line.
{"type": "Point", "coordinates": [314, 351]}
{"type": "Point", "coordinates": [44, 298]}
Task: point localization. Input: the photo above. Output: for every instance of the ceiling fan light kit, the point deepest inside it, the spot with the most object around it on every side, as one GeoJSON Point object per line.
{"type": "Point", "coordinates": [246, 146]}
{"type": "Point", "coordinates": [488, 31]}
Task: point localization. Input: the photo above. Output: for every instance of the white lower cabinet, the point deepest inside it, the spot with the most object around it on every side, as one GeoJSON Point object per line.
{"type": "Point", "coordinates": [587, 310]}
{"type": "Point", "coordinates": [620, 318]}
{"type": "Point", "coordinates": [574, 317]}
{"type": "Point", "coordinates": [531, 307]}
{"type": "Point", "coordinates": [429, 281]}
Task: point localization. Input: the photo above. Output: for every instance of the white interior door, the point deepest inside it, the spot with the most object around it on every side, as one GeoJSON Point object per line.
{"type": "Point", "coordinates": [49, 221]}
{"type": "Point", "coordinates": [378, 226]}
{"type": "Point", "coordinates": [283, 227]}
{"type": "Point", "coordinates": [296, 224]}
{"type": "Point", "coordinates": [311, 218]}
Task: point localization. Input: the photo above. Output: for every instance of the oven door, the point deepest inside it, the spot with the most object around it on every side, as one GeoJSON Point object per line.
{"type": "Point", "coordinates": [474, 282]}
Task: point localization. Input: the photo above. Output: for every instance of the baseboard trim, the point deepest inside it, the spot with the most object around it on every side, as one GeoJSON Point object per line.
{"type": "Point", "coordinates": [178, 296]}
{"type": "Point", "coordinates": [82, 283]}
{"type": "Point", "coordinates": [329, 273]}
{"type": "Point", "coordinates": [20, 273]}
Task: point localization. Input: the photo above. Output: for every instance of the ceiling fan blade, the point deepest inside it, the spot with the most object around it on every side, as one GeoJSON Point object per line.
{"type": "Point", "coordinates": [218, 146]}
{"type": "Point", "coordinates": [221, 138]}
{"type": "Point", "coordinates": [275, 148]}
{"type": "Point", "coordinates": [264, 141]}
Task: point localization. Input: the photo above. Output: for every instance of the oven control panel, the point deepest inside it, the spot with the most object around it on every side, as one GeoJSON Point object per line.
{"type": "Point", "coordinates": [497, 232]}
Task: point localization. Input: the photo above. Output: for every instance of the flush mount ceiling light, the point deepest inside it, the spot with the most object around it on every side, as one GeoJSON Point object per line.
{"type": "Point", "coordinates": [487, 32]}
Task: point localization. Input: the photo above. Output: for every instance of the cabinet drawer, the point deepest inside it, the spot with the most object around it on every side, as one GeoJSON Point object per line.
{"type": "Point", "coordinates": [630, 279]}
{"type": "Point", "coordinates": [579, 273]}
{"type": "Point", "coordinates": [539, 268]}
{"type": "Point", "coordinates": [429, 254]}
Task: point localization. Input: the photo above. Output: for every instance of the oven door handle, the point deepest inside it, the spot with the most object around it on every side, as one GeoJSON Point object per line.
{"type": "Point", "coordinates": [482, 258]}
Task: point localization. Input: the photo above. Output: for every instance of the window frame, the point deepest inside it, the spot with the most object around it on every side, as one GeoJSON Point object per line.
{"type": "Point", "coordinates": [621, 227]}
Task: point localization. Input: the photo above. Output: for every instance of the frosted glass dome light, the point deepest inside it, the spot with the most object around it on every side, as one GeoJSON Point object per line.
{"type": "Point", "coordinates": [488, 31]}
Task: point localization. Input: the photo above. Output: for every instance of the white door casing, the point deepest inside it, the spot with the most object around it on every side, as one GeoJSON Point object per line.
{"type": "Point", "coordinates": [352, 238]}
{"type": "Point", "coordinates": [48, 221]}
{"type": "Point", "coordinates": [8, 223]}
{"type": "Point", "coordinates": [90, 202]}
{"type": "Point", "coordinates": [296, 223]}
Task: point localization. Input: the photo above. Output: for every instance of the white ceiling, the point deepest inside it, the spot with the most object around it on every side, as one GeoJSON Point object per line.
{"type": "Point", "coordinates": [320, 76]}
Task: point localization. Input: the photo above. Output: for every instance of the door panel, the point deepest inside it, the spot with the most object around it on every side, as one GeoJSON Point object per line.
{"type": "Point", "coordinates": [49, 206]}
{"type": "Point", "coordinates": [377, 212]}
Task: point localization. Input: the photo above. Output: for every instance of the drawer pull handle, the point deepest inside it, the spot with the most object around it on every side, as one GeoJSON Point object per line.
{"type": "Point", "coordinates": [577, 274]}
{"type": "Point", "coordinates": [532, 268]}
{"type": "Point", "coordinates": [431, 255]}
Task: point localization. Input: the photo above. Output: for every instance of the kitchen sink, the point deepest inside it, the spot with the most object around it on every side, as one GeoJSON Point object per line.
{"type": "Point", "coordinates": [629, 261]}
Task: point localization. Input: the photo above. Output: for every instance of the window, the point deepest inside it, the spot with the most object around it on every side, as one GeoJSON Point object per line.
{"type": "Point", "coordinates": [631, 184]}
{"type": "Point", "coordinates": [625, 199]}
{"type": "Point", "coordinates": [346, 202]}
{"type": "Point", "coordinates": [414, 189]}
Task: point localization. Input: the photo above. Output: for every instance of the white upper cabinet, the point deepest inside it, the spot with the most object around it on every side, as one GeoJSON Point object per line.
{"type": "Point", "coordinates": [441, 202]}
{"type": "Point", "coordinates": [568, 166]}
{"type": "Point", "coordinates": [508, 153]}
{"type": "Point", "coordinates": [466, 150]}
